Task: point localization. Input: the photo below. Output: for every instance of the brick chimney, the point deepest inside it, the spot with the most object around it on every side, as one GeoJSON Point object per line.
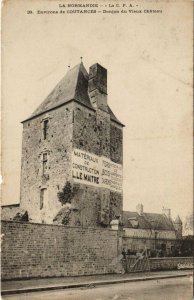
{"type": "Point", "coordinates": [97, 87]}
{"type": "Point", "coordinates": [139, 209]}
{"type": "Point", "coordinates": [166, 212]}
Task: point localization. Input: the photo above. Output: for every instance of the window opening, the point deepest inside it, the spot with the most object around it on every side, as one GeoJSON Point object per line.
{"type": "Point", "coordinates": [45, 163]}
{"type": "Point", "coordinates": [45, 129]}
{"type": "Point", "coordinates": [42, 196]}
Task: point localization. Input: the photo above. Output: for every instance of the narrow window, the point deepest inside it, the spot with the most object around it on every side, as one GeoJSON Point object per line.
{"type": "Point", "coordinates": [42, 196]}
{"type": "Point", "coordinates": [45, 128]}
{"type": "Point", "coordinates": [45, 163]}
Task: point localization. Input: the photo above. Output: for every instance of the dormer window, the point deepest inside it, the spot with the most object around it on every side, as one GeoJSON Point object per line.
{"type": "Point", "coordinates": [45, 128]}
{"type": "Point", "coordinates": [133, 222]}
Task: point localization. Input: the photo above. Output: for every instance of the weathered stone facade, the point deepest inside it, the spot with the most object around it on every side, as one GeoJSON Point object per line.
{"type": "Point", "coordinates": [75, 115]}
{"type": "Point", "coordinates": [58, 148]}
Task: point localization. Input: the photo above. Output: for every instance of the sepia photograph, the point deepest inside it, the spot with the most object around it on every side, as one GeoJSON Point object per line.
{"type": "Point", "coordinates": [96, 140]}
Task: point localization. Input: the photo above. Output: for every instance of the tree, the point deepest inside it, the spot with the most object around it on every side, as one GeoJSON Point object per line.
{"type": "Point", "coordinates": [188, 227]}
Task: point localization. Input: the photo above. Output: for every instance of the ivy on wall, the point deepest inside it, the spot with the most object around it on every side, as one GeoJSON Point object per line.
{"type": "Point", "coordinates": [67, 193]}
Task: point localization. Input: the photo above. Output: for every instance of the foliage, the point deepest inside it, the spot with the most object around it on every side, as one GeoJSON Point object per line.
{"type": "Point", "coordinates": [63, 216]}
{"type": "Point", "coordinates": [21, 217]}
{"type": "Point", "coordinates": [67, 193]}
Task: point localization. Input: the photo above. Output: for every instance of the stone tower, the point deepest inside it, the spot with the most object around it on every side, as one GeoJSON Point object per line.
{"type": "Point", "coordinates": [72, 154]}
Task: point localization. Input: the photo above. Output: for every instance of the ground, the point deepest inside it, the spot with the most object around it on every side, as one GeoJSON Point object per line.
{"type": "Point", "coordinates": [162, 289]}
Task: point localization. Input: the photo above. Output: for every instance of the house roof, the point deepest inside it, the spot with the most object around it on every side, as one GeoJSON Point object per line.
{"type": "Point", "coordinates": [148, 221]}
{"type": "Point", "coordinates": [73, 86]}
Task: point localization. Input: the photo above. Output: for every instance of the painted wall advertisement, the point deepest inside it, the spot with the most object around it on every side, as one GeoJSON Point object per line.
{"type": "Point", "coordinates": [96, 171]}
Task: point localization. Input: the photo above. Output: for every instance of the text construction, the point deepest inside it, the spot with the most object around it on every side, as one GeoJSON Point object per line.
{"type": "Point", "coordinates": [97, 171]}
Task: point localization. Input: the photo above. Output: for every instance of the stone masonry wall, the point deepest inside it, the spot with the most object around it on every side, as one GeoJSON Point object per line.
{"type": "Point", "coordinates": [87, 201]}
{"type": "Point", "coordinates": [58, 146]}
{"type": "Point", "coordinates": [70, 126]}
{"type": "Point", "coordinates": [116, 143]}
{"type": "Point", "coordinates": [116, 155]}
{"type": "Point", "coordinates": [85, 137]}
{"type": "Point", "coordinates": [92, 133]}
{"type": "Point", "coordinates": [8, 212]}
{"type": "Point", "coordinates": [156, 264]}
{"type": "Point", "coordinates": [170, 263]}
{"type": "Point", "coordinates": [85, 130]}
{"type": "Point", "coordinates": [40, 250]}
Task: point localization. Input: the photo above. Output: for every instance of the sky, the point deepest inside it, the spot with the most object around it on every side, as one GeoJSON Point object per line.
{"type": "Point", "coordinates": [149, 63]}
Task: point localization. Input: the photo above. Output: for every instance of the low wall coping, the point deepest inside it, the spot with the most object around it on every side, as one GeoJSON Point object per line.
{"type": "Point", "coordinates": [10, 205]}
{"type": "Point", "coordinates": [57, 225]}
{"type": "Point", "coordinates": [170, 258]}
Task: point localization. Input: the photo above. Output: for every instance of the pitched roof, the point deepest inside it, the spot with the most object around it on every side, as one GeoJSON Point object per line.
{"type": "Point", "coordinates": [113, 117]}
{"type": "Point", "coordinates": [73, 86]}
{"type": "Point", "coordinates": [148, 221]}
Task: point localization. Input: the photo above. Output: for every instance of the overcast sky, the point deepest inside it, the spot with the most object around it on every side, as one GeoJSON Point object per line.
{"type": "Point", "coordinates": [149, 63]}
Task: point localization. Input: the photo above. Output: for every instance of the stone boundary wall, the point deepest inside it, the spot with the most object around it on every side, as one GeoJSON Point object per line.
{"type": "Point", "coordinates": [39, 250]}
{"type": "Point", "coordinates": [170, 263]}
